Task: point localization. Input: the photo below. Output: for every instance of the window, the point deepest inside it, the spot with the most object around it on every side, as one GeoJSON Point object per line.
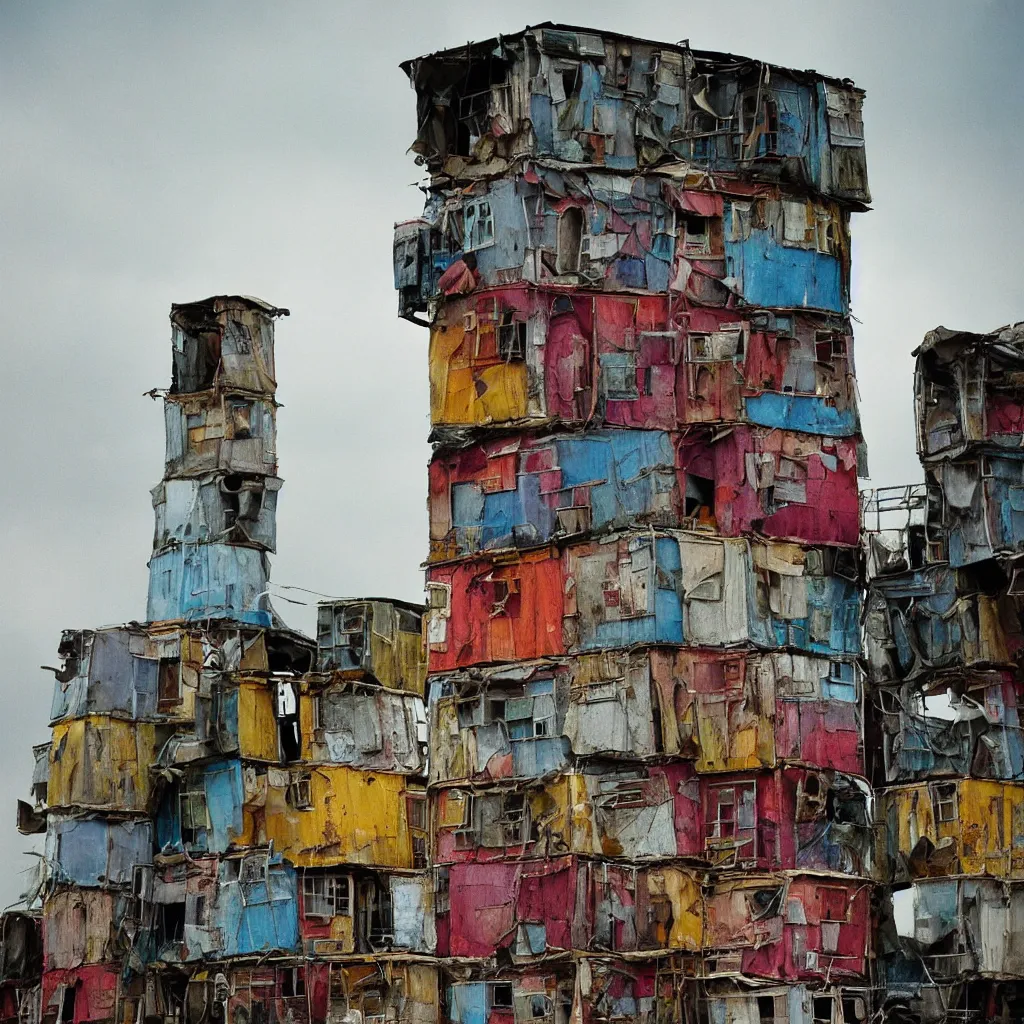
{"type": "Point", "coordinates": [619, 371]}
{"type": "Point", "coordinates": [417, 809]}
{"type": "Point", "coordinates": [169, 684]}
{"type": "Point", "coordinates": [822, 1010]}
{"type": "Point", "coordinates": [944, 800]}
{"type": "Point", "coordinates": [300, 791]}
{"type": "Point", "coordinates": [829, 346]}
{"type": "Point", "coordinates": [766, 1010]}
{"type": "Point", "coordinates": [511, 338]}
{"type": "Point", "coordinates": [479, 224]}
{"type": "Point", "coordinates": [327, 895]}
{"type": "Point", "coordinates": [696, 236]}
{"type": "Point", "coordinates": [241, 414]}
{"type": "Point", "coordinates": [622, 792]}
{"type": "Point", "coordinates": [465, 837]}
{"type": "Point", "coordinates": [501, 996]}
{"type": "Point", "coordinates": [513, 819]}
{"type": "Point", "coordinates": [254, 868]}
{"type": "Point", "coordinates": [730, 821]}
{"type": "Point", "coordinates": [293, 982]}
{"type": "Point", "coordinates": [193, 812]}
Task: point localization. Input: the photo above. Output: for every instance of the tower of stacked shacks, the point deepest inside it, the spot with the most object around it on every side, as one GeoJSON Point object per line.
{"type": "Point", "coordinates": [646, 776]}
{"type": "Point", "coordinates": [945, 566]}
{"type": "Point", "coordinates": [234, 814]}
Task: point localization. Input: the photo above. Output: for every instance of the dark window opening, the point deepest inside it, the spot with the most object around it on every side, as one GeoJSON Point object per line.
{"type": "Point", "coordinates": [822, 1012]}
{"type": "Point", "coordinates": [171, 924]}
{"type": "Point", "coordinates": [67, 1004]}
{"type": "Point", "coordinates": [501, 996]}
{"type": "Point", "coordinates": [766, 1009]}
{"type": "Point", "coordinates": [571, 81]}
{"type": "Point", "coordinates": [169, 684]}
{"type": "Point", "coordinates": [293, 982]}
{"type": "Point", "coordinates": [700, 493]}
{"type": "Point", "coordinates": [696, 236]}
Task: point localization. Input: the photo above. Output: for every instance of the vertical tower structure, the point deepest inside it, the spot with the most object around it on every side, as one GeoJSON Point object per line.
{"type": "Point", "coordinates": [234, 815]}
{"type": "Point", "coordinates": [945, 567]}
{"type": "Point", "coordinates": [216, 507]}
{"type": "Point", "coordinates": [647, 765]}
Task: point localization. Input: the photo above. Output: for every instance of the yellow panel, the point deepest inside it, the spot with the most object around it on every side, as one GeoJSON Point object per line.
{"type": "Point", "coordinates": [257, 726]}
{"type": "Point", "coordinates": [357, 817]}
{"type": "Point", "coordinates": [101, 762]}
{"type": "Point", "coordinates": [684, 891]}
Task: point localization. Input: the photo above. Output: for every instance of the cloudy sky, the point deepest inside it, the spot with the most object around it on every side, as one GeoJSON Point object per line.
{"type": "Point", "coordinates": [159, 152]}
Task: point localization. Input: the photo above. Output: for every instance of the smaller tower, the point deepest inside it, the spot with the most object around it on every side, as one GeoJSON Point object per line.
{"type": "Point", "coordinates": [216, 506]}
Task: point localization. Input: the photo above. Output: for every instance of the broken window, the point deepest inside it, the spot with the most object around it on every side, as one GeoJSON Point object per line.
{"type": "Point", "coordinates": [254, 868]}
{"type": "Point", "coordinates": [696, 236]}
{"type": "Point", "coordinates": [300, 791]}
{"type": "Point", "coordinates": [731, 817]}
{"type": "Point", "coordinates": [169, 684]}
{"type": "Point", "coordinates": [619, 792]}
{"type": "Point", "coordinates": [619, 373]}
{"type": "Point", "coordinates": [829, 346]}
{"type": "Point", "coordinates": [505, 597]}
{"type": "Point", "coordinates": [759, 124]}
{"type": "Point", "coordinates": [944, 801]}
{"type": "Point", "coordinates": [465, 837]}
{"type": "Point", "coordinates": [513, 819]}
{"type": "Point", "coordinates": [569, 241]}
{"type": "Point", "coordinates": [479, 224]}
{"type": "Point", "coordinates": [327, 895]}
{"type": "Point", "coordinates": [193, 811]}
{"type": "Point", "coordinates": [511, 338]}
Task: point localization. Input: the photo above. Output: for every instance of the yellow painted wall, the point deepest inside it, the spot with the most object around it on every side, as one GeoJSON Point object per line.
{"type": "Point", "coordinates": [257, 726]}
{"type": "Point", "coordinates": [99, 761]}
{"type": "Point", "coordinates": [464, 389]}
{"type": "Point", "coordinates": [683, 890]}
{"type": "Point", "coordinates": [357, 817]}
{"type": "Point", "coordinates": [988, 823]}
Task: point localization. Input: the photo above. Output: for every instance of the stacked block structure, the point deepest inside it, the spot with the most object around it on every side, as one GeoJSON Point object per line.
{"type": "Point", "coordinates": [647, 782]}
{"type": "Point", "coordinates": [945, 567]}
{"type": "Point", "coordinates": [234, 815]}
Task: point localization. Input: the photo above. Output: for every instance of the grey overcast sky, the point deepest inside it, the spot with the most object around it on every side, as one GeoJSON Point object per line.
{"type": "Point", "coordinates": [156, 152]}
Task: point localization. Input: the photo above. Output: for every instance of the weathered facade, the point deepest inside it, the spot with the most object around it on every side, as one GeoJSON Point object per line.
{"type": "Point", "coordinates": [647, 780]}
{"type": "Point", "coordinates": [234, 815]}
{"type": "Point", "coordinates": [943, 642]}
{"type": "Point", "coordinates": [687, 731]}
